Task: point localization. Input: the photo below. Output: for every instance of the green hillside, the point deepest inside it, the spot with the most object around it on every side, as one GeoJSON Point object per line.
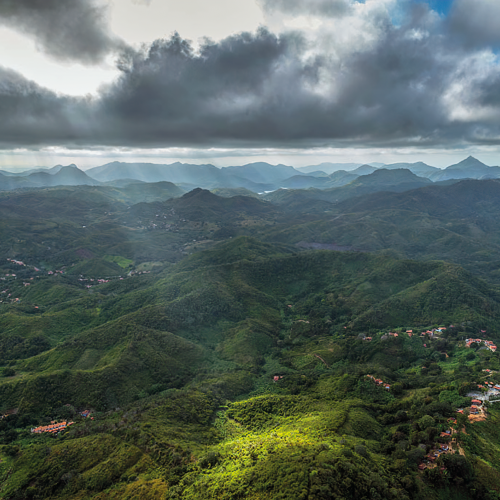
{"type": "Point", "coordinates": [240, 365]}
{"type": "Point", "coordinates": [457, 223]}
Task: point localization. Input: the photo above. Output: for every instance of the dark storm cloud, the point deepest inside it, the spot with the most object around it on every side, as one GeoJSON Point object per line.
{"type": "Point", "coordinates": [475, 23]}
{"type": "Point", "coordinates": [262, 89]}
{"type": "Point", "coordinates": [332, 8]}
{"type": "Point", "coordinates": [31, 115]}
{"type": "Point", "coordinates": [65, 29]}
{"type": "Point", "coordinates": [489, 91]}
{"type": "Point", "coordinates": [241, 88]}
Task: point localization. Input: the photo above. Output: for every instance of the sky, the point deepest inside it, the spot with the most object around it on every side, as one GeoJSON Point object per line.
{"type": "Point", "coordinates": [234, 81]}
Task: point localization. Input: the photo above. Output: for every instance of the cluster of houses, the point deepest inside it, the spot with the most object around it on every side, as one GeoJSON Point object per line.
{"type": "Point", "coordinates": [442, 448]}
{"type": "Point", "coordinates": [21, 263]}
{"type": "Point", "coordinates": [476, 409]}
{"type": "Point", "coordinates": [433, 333]}
{"type": "Point", "coordinates": [428, 462]}
{"type": "Point", "coordinates": [491, 386]}
{"type": "Point", "coordinates": [379, 381]}
{"type": "Point", "coordinates": [53, 428]}
{"type": "Point", "coordinates": [488, 343]}
{"type": "Point", "coordinates": [56, 427]}
{"type": "Point", "coordinates": [97, 281]}
{"type": "Point", "coordinates": [476, 405]}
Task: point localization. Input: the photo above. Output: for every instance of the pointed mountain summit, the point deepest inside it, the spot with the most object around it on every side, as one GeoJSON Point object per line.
{"type": "Point", "coordinates": [469, 162]}
{"type": "Point", "coordinates": [470, 168]}
{"type": "Point", "coordinates": [70, 175]}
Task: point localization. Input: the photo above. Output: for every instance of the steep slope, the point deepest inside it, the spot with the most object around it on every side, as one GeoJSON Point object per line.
{"type": "Point", "coordinates": [341, 178]}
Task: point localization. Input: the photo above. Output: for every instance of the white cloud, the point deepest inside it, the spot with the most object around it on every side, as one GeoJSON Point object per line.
{"type": "Point", "coordinates": [19, 53]}
{"type": "Point", "coordinates": [192, 19]}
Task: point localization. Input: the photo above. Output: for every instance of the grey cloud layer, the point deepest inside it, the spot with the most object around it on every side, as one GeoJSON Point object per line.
{"type": "Point", "coordinates": [65, 29]}
{"type": "Point", "coordinates": [316, 7]}
{"type": "Point", "coordinates": [476, 23]}
{"type": "Point", "coordinates": [267, 90]}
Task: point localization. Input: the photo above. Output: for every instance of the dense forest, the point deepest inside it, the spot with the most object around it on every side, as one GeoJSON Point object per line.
{"type": "Point", "coordinates": [213, 345]}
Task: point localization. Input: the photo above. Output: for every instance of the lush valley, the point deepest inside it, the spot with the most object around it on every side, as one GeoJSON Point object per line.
{"type": "Point", "coordinates": [298, 345]}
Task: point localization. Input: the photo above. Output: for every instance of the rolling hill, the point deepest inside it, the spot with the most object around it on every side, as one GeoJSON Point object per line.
{"type": "Point", "coordinates": [379, 180]}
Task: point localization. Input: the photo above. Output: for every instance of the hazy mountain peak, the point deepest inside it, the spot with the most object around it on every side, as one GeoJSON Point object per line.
{"type": "Point", "coordinates": [469, 162]}
{"type": "Point", "coordinates": [70, 167]}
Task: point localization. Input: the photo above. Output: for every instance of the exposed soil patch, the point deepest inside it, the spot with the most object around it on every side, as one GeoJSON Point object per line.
{"type": "Point", "coordinates": [84, 253]}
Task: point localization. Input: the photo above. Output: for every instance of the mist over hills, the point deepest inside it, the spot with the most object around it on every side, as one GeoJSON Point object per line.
{"type": "Point", "coordinates": [69, 175]}
{"type": "Point", "coordinates": [469, 168]}
{"type": "Point", "coordinates": [257, 177]}
{"type": "Point", "coordinates": [397, 180]}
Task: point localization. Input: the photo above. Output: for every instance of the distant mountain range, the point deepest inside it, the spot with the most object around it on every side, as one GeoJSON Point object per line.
{"type": "Point", "coordinates": [259, 177]}
{"type": "Point", "coordinates": [69, 175]}
{"type": "Point", "coordinates": [397, 180]}
{"type": "Point", "coordinates": [470, 168]}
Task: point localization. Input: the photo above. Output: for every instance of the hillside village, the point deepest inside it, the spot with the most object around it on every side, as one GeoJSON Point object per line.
{"type": "Point", "coordinates": [27, 279]}
{"type": "Point", "coordinates": [488, 343]}
{"type": "Point", "coordinates": [54, 428]}
{"type": "Point", "coordinates": [488, 391]}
